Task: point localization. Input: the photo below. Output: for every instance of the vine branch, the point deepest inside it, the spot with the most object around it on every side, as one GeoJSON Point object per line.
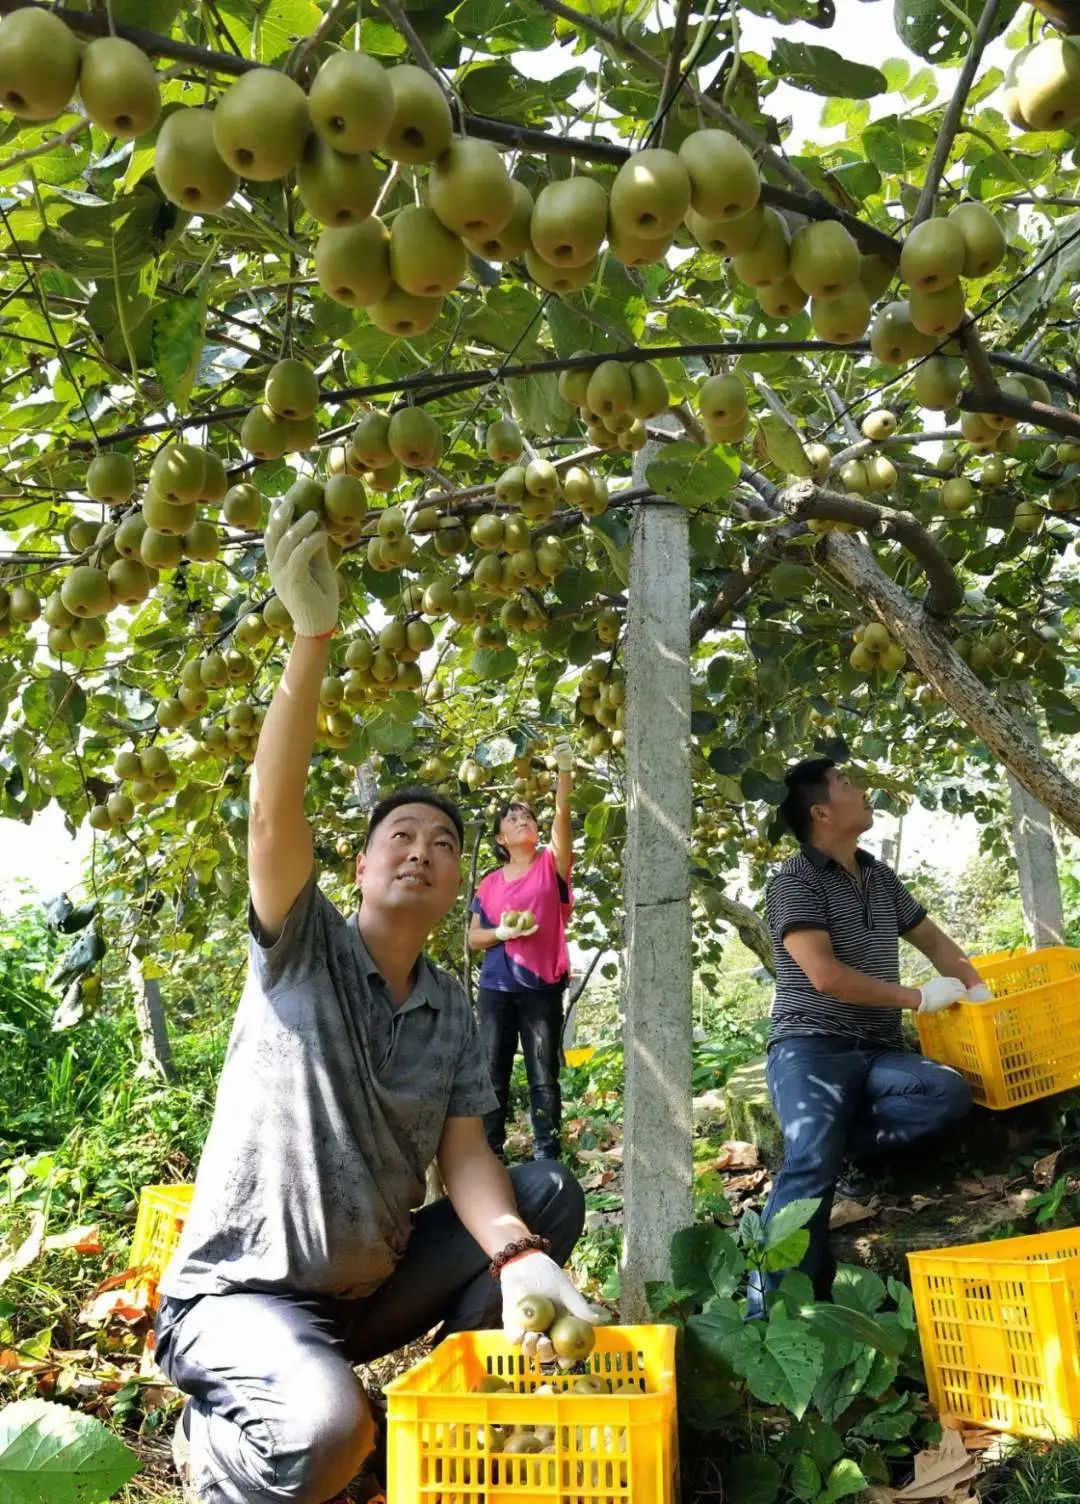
{"type": "Point", "coordinates": [805, 499]}
{"type": "Point", "coordinates": [951, 122]}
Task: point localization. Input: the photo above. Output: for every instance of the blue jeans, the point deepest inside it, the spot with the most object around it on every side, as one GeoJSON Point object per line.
{"type": "Point", "coordinates": [839, 1098]}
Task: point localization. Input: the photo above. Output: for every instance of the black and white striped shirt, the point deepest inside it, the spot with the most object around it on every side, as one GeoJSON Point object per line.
{"type": "Point", "coordinates": [813, 891]}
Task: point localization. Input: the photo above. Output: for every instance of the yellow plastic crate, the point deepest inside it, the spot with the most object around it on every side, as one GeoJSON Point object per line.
{"type": "Point", "coordinates": [1000, 1330]}
{"type": "Point", "coordinates": [617, 1448]}
{"type": "Point", "coordinates": [993, 957]}
{"type": "Point", "coordinates": [1006, 972]}
{"type": "Point", "coordinates": [580, 1055]}
{"type": "Point", "coordinates": [1023, 1045]}
{"type": "Point", "coordinates": [163, 1210]}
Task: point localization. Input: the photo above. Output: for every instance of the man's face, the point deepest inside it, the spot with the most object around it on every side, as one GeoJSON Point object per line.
{"type": "Point", "coordinates": [412, 864]}
{"type": "Point", "coordinates": [849, 811]}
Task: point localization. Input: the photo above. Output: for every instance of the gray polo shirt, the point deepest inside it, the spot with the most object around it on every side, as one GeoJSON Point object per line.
{"type": "Point", "coordinates": [330, 1107]}
{"type": "Point", "coordinates": [863, 920]}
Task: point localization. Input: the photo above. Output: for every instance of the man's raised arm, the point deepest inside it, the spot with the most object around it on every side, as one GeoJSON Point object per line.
{"type": "Point", "coordinates": [279, 837]}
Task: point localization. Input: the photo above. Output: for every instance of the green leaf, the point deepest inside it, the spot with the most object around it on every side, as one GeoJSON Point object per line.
{"type": "Point", "coordinates": [493, 663]}
{"type": "Point", "coordinates": [705, 1258]}
{"type": "Point", "coordinates": [50, 1452]}
{"type": "Point", "coordinates": [788, 1253]}
{"type": "Point", "coordinates": [618, 555]}
{"type": "Point", "coordinates": [692, 475]}
{"type": "Point", "coordinates": [502, 26]}
{"type": "Point", "coordinates": [283, 23]}
{"type": "Point", "coordinates": [108, 240]}
{"type": "Point", "coordinates": [388, 735]}
{"type": "Point", "coordinates": [536, 403]}
{"type": "Point", "coordinates": [858, 1289]}
{"type": "Point", "coordinates": [796, 1214]}
{"type": "Point", "coordinates": [789, 1367]}
{"type": "Point", "coordinates": [783, 446]}
{"type": "Point", "coordinates": [176, 341]}
{"type": "Point", "coordinates": [751, 1478]}
{"type": "Point", "coordinates": [845, 1478]}
{"type": "Point", "coordinates": [805, 1479]}
{"type": "Point", "coordinates": [820, 70]}
{"type": "Point", "coordinates": [935, 34]}
{"type": "Point", "coordinates": [855, 1326]}
{"type": "Point", "coordinates": [757, 785]}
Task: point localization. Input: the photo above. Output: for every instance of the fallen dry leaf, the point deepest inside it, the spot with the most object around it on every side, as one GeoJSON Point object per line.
{"type": "Point", "coordinates": [740, 1185]}
{"type": "Point", "coordinates": [1044, 1171]}
{"type": "Point", "coordinates": [81, 1239]}
{"type": "Point", "coordinates": [941, 1471]}
{"type": "Point", "coordinates": [920, 1203]}
{"type": "Point", "coordinates": [16, 1260]}
{"type": "Point", "coordinates": [112, 1305]}
{"type": "Point", "coordinates": [114, 1281]}
{"type": "Point", "coordinates": [739, 1155]}
{"type": "Point", "coordinates": [845, 1212]}
{"type": "Point", "coordinates": [595, 1182]}
{"type": "Point", "coordinates": [985, 1185]}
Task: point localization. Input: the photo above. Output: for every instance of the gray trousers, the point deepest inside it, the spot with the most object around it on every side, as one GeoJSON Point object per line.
{"type": "Point", "coordinates": [277, 1415]}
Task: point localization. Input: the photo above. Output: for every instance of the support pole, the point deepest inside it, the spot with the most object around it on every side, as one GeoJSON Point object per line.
{"type": "Point", "coordinates": [1036, 866]}
{"type": "Point", "coordinates": [658, 968]}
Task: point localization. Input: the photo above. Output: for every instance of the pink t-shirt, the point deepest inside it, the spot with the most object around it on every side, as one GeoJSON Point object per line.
{"type": "Point", "coordinates": [543, 958]}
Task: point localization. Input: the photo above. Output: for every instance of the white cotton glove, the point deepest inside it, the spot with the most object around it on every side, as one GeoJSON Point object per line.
{"type": "Point", "coordinates": [941, 992]}
{"type": "Point", "coordinates": [980, 994]}
{"type": "Point", "coordinates": [512, 931]}
{"type": "Point", "coordinates": [301, 572]}
{"type": "Point", "coordinates": [564, 755]}
{"type": "Point", "coordinates": [536, 1274]}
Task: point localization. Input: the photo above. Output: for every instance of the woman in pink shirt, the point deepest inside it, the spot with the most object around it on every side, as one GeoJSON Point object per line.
{"type": "Point", "coordinates": [525, 972]}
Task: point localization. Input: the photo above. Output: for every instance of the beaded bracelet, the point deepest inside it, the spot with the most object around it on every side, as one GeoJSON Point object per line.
{"type": "Point", "coordinates": [512, 1251]}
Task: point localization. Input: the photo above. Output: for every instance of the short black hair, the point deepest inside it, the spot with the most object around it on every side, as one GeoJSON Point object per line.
{"type": "Point", "coordinates": [416, 795]}
{"type": "Point", "coordinates": [807, 785]}
{"type": "Point", "coordinates": [500, 815]}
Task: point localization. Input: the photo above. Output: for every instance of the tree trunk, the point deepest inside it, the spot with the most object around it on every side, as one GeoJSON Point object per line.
{"type": "Point", "coordinates": [155, 1047]}
{"type": "Point", "coordinates": [972, 702]}
{"type": "Point", "coordinates": [657, 975]}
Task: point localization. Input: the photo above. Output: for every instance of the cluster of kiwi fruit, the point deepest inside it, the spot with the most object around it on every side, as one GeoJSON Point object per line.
{"type": "Point", "coordinates": [118, 561]}
{"type": "Point", "coordinates": [374, 667]}
{"type": "Point", "coordinates": [43, 63]}
{"type": "Point", "coordinates": [285, 421]}
{"type": "Point", "coordinates": [616, 399]}
{"type": "Point", "coordinates": [875, 648]}
{"type": "Point", "coordinates": [145, 778]}
{"type": "Point", "coordinates": [600, 704]}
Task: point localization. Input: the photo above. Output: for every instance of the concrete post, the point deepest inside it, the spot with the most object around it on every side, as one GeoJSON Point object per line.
{"type": "Point", "coordinates": [657, 970]}
{"type": "Point", "coordinates": [1036, 865]}
{"type": "Point", "coordinates": [1033, 840]}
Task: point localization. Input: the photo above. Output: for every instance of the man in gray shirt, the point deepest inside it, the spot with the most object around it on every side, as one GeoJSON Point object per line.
{"type": "Point", "coordinates": [352, 1062]}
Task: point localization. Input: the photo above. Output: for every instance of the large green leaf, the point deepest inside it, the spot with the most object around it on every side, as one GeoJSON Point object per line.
{"type": "Point", "coordinates": [820, 70]}
{"type": "Point", "coordinates": [936, 34]}
{"type": "Point", "coordinates": [50, 1454]}
{"type": "Point", "coordinates": [705, 1259]}
{"type": "Point", "coordinates": [109, 240]}
{"type": "Point", "coordinates": [691, 475]}
{"type": "Point", "coordinates": [178, 331]}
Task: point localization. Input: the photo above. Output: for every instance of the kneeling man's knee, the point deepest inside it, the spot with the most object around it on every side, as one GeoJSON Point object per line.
{"type": "Point", "coordinates": [322, 1443]}
{"type": "Point", "coordinates": [954, 1095]}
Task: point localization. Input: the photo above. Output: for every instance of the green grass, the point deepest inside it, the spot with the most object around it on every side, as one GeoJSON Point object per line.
{"type": "Point", "coordinates": [1035, 1474]}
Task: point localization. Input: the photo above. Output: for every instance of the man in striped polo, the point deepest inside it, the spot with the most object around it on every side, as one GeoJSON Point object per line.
{"type": "Point", "coordinates": [841, 1081]}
